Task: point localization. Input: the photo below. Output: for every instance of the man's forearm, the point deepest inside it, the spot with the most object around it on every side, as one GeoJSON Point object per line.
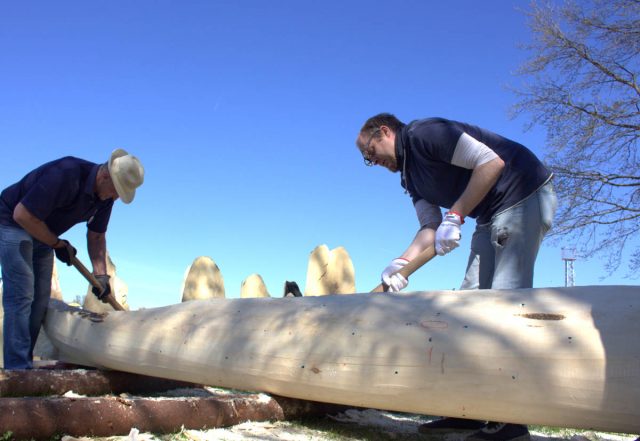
{"type": "Point", "coordinates": [97, 248]}
{"type": "Point", "coordinates": [423, 239]}
{"type": "Point", "coordinates": [482, 180]}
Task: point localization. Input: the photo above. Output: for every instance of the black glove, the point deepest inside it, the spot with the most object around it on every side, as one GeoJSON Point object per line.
{"type": "Point", "coordinates": [65, 253]}
{"type": "Point", "coordinates": [106, 288]}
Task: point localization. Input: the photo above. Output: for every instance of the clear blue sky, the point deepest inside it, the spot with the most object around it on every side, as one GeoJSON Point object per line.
{"type": "Point", "coordinates": [244, 114]}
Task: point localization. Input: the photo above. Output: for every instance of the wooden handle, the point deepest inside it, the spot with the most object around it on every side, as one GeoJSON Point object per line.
{"type": "Point", "coordinates": [94, 282]}
{"type": "Point", "coordinates": [411, 267]}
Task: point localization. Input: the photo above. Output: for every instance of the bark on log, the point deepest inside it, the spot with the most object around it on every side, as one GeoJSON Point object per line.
{"type": "Point", "coordinates": [42, 418]}
{"type": "Point", "coordinates": [39, 382]}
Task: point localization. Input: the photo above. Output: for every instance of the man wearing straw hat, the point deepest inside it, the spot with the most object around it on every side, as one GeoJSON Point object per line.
{"type": "Point", "coordinates": [34, 212]}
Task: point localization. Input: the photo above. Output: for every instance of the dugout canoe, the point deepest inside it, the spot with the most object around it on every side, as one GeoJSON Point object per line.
{"type": "Point", "coordinates": [567, 357]}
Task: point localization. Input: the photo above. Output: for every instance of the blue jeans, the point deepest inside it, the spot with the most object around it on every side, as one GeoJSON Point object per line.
{"type": "Point", "coordinates": [504, 251]}
{"type": "Point", "coordinates": [27, 265]}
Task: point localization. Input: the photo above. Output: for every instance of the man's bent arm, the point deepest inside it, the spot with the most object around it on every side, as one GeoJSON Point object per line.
{"type": "Point", "coordinates": [33, 225]}
{"type": "Point", "coordinates": [483, 178]}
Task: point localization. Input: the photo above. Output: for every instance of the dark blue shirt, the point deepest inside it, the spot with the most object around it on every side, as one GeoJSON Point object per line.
{"type": "Point", "coordinates": [424, 149]}
{"type": "Point", "coordinates": [60, 193]}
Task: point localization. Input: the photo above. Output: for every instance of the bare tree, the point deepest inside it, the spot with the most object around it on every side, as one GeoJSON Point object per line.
{"type": "Point", "coordinates": [582, 86]}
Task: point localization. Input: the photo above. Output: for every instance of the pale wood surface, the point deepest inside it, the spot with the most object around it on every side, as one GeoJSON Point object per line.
{"type": "Point", "coordinates": [253, 286]}
{"type": "Point", "coordinates": [567, 357]}
{"type": "Point", "coordinates": [317, 271]}
{"type": "Point", "coordinates": [329, 272]}
{"type": "Point", "coordinates": [56, 291]}
{"type": "Point", "coordinates": [342, 274]}
{"type": "Point", "coordinates": [202, 280]}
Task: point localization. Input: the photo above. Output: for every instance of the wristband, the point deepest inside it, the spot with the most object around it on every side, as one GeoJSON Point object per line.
{"type": "Point", "coordinates": [55, 244]}
{"type": "Point", "coordinates": [457, 214]}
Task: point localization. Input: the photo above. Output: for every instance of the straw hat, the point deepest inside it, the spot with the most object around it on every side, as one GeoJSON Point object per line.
{"type": "Point", "coordinates": [126, 173]}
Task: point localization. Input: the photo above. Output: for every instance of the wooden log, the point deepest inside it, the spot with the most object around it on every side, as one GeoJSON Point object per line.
{"type": "Point", "coordinates": [566, 357]}
{"type": "Point", "coordinates": [42, 382]}
{"type": "Point", "coordinates": [42, 418]}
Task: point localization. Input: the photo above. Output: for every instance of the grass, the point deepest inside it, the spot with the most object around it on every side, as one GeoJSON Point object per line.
{"type": "Point", "coordinates": [568, 433]}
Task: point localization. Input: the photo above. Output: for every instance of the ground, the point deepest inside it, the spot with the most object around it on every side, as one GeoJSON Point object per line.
{"type": "Point", "coordinates": [352, 425]}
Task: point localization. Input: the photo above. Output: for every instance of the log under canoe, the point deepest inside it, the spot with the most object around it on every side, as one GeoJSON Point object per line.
{"type": "Point", "coordinates": [567, 357]}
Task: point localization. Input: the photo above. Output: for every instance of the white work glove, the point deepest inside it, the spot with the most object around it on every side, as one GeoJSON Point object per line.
{"type": "Point", "coordinates": [395, 282]}
{"type": "Point", "coordinates": [448, 233]}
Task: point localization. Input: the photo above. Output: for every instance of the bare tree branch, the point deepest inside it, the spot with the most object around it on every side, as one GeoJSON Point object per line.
{"type": "Point", "coordinates": [583, 88]}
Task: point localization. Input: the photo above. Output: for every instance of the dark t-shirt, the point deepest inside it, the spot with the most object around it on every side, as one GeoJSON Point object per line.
{"type": "Point", "coordinates": [424, 149]}
{"type": "Point", "coordinates": [60, 193]}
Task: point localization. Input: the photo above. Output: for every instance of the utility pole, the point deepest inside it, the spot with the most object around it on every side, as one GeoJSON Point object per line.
{"type": "Point", "coordinates": [569, 256]}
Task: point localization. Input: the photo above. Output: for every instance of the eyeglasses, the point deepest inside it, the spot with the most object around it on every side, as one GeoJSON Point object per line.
{"type": "Point", "coordinates": [366, 151]}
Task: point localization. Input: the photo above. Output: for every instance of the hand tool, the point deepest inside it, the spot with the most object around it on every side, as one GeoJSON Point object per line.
{"type": "Point", "coordinates": [94, 282]}
{"type": "Point", "coordinates": [411, 267]}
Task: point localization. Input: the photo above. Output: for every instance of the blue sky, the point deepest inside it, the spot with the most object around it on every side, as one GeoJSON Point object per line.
{"type": "Point", "coordinates": [244, 114]}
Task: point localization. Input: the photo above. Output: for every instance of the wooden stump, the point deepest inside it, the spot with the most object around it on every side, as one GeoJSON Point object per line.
{"type": "Point", "coordinates": [330, 272]}
{"type": "Point", "coordinates": [203, 280]}
{"type": "Point", "coordinates": [253, 286]}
